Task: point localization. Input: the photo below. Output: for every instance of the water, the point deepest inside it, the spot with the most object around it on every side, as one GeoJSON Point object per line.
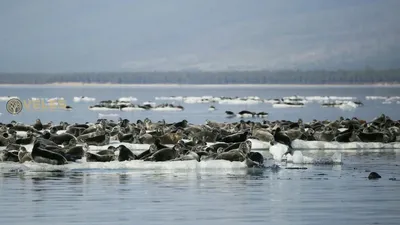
{"type": "Point", "coordinates": [198, 113]}
{"type": "Point", "coordinates": [214, 194]}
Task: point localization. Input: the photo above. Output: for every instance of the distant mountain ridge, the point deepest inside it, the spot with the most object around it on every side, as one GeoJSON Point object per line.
{"type": "Point", "coordinates": [366, 76]}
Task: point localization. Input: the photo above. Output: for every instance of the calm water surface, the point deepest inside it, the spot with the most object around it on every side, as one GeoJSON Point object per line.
{"type": "Point", "coordinates": [339, 194]}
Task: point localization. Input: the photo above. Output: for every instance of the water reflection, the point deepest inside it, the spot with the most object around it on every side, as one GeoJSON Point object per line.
{"type": "Point", "coordinates": [213, 196]}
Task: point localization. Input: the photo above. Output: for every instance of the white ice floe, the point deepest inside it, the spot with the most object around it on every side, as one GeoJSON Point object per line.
{"type": "Point", "coordinates": [348, 106]}
{"type": "Point", "coordinates": [283, 105]}
{"type": "Point", "coordinates": [322, 145]}
{"type": "Point", "coordinates": [388, 98]}
{"type": "Point", "coordinates": [220, 165]}
{"type": "Point", "coordinates": [103, 109]}
{"type": "Point", "coordinates": [132, 108]}
{"type": "Point", "coordinates": [6, 98]}
{"type": "Point", "coordinates": [127, 99]}
{"type": "Point", "coordinates": [54, 99]}
{"type": "Point", "coordinates": [376, 97]}
{"type": "Point", "coordinates": [239, 101]}
{"type": "Point", "coordinates": [176, 98]}
{"type": "Point", "coordinates": [108, 115]}
{"type": "Point", "coordinates": [150, 103]}
{"type": "Point", "coordinates": [84, 99]}
{"type": "Point", "coordinates": [167, 109]}
{"type": "Point", "coordinates": [279, 150]}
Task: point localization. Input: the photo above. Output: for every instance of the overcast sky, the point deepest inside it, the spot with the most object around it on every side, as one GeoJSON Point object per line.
{"type": "Point", "coordinates": [159, 35]}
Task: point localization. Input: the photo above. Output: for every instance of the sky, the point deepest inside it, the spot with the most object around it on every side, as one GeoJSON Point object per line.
{"type": "Point", "coordinates": [191, 35]}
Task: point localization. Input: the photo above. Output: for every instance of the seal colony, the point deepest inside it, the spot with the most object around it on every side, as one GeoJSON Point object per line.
{"type": "Point", "coordinates": [128, 106]}
{"type": "Point", "coordinates": [64, 143]}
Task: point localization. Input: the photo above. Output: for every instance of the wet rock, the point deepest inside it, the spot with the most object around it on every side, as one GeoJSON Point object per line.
{"type": "Point", "coordinates": [374, 175]}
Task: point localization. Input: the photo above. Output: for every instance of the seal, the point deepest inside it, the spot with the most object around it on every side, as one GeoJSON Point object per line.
{"type": "Point", "coordinates": [99, 140]}
{"type": "Point", "coordinates": [73, 153]}
{"type": "Point", "coordinates": [236, 154]}
{"type": "Point", "coordinates": [93, 157]}
{"type": "Point", "coordinates": [245, 113]}
{"type": "Point", "coordinates": [373, 176]}
{"type": "Point", "coordinates": [190, 155]}
{"type": "Point", "coordinates": [239, 137]}
{"type": "Point", "coordinates": [24, 155]}
{"type": "Point", "coordinates": [282, 138]}
{"type": "Point", "coordinates": [38, 125]}
{"type": "Point", "coordinates": [61, 138]}
{"type": "Point", "coordinates": [372, 137]}
{"type": "Point", "coordinates": [230, 114]}
{"type": "Point", "coordinates": [165, 154]}
{"type": "Point", "coordinates": [26, 141]}
{"type": "Point", "coordinates": [9, 156]}
{"type": "Point", "coordinates": [41, 155]}
{"type": "Point", "coordinates": [171, 138]}
{"type": "Point", "coordinates": [125, 154]}
{"type": "Point", "coordinates": [144, 155]}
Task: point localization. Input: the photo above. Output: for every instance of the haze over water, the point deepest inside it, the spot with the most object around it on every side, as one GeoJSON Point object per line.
{"type": "Point", "coordinates": [198, 193]}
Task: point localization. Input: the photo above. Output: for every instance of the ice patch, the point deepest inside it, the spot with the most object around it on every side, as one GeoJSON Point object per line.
{"type": "Point", "coordinates": [149, 103]}
{"type": "Point", "coordinates": [103, 109]}
{"type": "Point", "coordinates": [132, 109]}
{"type": "Point", "coordinates": [127, 99]}
{"type": "Point", "coordinates": [238, 102]}
{"type": "Point", "coordinates": [167, 109]}
{"type": "Point", "coordinates": [84, 99]}
{"type": "Point", "coordinates": [278, 150]}
{"type": "Point", "coordinates": [100, 115]}
{"type": "Point", "coordinates": [348, 106]}
{"type": "Point", "coordinates": [127, 165]}
{"type": "Point", "coordinates": [322, 145]}
{"type": "Point", "coordinates": [283, 105]}
{"type": "Point", "coordinates": [6, 98]}
{"type": "Point", "coordinates": [375, 97]}
{"type": "Point", "coordinates": [177, 98]}
{"type": "Point", "coordinates": [54, 100]}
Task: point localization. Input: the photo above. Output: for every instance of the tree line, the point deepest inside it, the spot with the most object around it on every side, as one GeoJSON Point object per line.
{"type": "Point", "coordinates": [366, 76]}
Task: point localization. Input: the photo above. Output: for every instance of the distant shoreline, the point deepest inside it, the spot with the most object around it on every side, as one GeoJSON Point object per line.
{"type": "Point", "coordinates": [78, 84]}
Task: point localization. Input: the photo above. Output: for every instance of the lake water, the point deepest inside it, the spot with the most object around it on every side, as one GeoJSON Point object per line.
{"type": "Point", "coordinates": [195, 193]}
